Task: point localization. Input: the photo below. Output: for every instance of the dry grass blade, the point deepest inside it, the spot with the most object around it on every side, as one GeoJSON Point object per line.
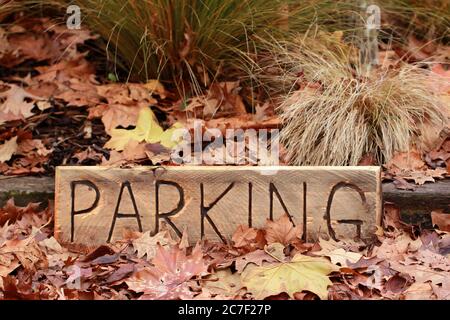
{"type": "Point", "coordinates": [186, 41]}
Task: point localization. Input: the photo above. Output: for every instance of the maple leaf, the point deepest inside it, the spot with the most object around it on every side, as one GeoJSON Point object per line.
{"type": "Point", "coordinates": [405, 161]}
{"type": "Point", "coordinates": [224, 283]}
{"type": "Point", "coordinates": [29, 146]}
{"type": "Point", "coordinates": [394, 249]}
{"type": "Point", "coordinates": [27, 252]}
{"type": "Point", "coordinates": [147, 129]}
{"type": "Point", "coordinates": [341, 257]}
{"type": "Point", "coordinates": [441, 220]}
{"type": "Point", "coordinates": [168, 278]}
{"type": "Point", "coordinates": [257, 257]}
{"type": "Point", "coordinates": [276, 250]}
{"type": "Point", "coordinates": [248, 238]}
{"type": "Point", "coordinates": [337, 255]}
{"type": "Point", "coordinates": [146, 245]}
{"type": "Point", "coordinates": [302, 273]}
{"type": "Point", "coordinates": [115, 115]}
{"type": "Point", "coordinates": [16, 105]}
{"type": "Point", "coordinates": [87, 154]}
{"type": "Point", "coordinates": [8, 149]}
{"type": "Point", "coordinates": [282, 231]}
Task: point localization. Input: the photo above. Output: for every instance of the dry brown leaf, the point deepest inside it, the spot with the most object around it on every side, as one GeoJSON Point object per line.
{"type": "Point", "coordinates": [169, 277]}
{"type": "Point", "coordinates": [16, 105]}
{"type": "Point", "coordinates": [248, 239]}
{"type": "Point", "coordinates": [419, 291]}
{"type": "Point", "coordinates": [405, 162]}
{"type": "Point", "coordinates": [282, 231]}
{"type": "Point", "coordinates": [8, 149]}
{"type": "Point", "coordinates": [115, 115]}
{"type": "Point", "coordinates": [147, 245]}
{"type": "Point", "coordinates": [441, 220]}
{"type": "Point", "coordinates": [257, 257]}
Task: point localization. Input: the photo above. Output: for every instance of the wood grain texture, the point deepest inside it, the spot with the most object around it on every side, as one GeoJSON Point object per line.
{"type": "Point", "coordinates": [210, 202]}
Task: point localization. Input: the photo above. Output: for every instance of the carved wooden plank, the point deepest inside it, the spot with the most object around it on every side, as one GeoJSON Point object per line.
{"type": "Point", "coordinates": [94, 204]}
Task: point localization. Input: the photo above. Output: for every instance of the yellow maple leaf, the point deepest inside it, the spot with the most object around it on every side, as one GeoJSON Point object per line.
{"type": "Point", "coordinates": [301, 273]}
{"type": "Point", "coordinates": [147, 129]}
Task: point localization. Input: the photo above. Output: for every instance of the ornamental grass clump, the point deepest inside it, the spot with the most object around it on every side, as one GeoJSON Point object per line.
{"type": "Point", "coordinates": [186, 42]}
{"type": "Point", "coordinates": [337, 112]}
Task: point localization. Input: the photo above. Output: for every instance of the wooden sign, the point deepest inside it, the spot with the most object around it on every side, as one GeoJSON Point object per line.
{"type": "Point", "coordinates": [95, 204]}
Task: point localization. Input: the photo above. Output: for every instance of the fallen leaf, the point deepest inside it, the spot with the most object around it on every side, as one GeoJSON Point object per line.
{"type": "Point", "coordinates": [168, 278]}
{"type": "Point", "coordinates": [8, 149]}
{"type": "Point", "coordinates": [16, 104]}
{"type": "Point", "coordinates": [115, 115]}
{"type": "Point", "coordinates": [147, 245]}
{"type": "Point", "coordinates": [224, 283]}
{"type": "Point", "coordinates": [419, 291]}
{"type": "Point", "coordinates": [441, 220]}
{"type": "Point", "coordinates": [302, 273]}
{"type": "Point", "coordinates": [154, 86]}
{"type": "Point", "coordinates": [406, 161]}
{"type": "Point", "coordinates": [147, 129]}
{"type": "Point", "coordinates": [282, 231]}
{"type": "Point", "coordinates": [248, 238]}
{"type": "Point", "coordinates": [257, 257]}
{"type": "Point", "coordinates": [341, 257]}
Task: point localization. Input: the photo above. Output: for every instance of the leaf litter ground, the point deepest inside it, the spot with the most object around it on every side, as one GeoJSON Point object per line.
{"type": "Point", "coordinates": [58, 107]}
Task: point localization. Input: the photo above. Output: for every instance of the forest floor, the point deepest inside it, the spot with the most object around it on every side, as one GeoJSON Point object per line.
{"type": "Point", "coordinates": [59, 105]}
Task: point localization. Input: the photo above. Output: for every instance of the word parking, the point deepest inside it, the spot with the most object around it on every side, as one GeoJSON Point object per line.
{"type": "Point", "coordinates": [95, 204]}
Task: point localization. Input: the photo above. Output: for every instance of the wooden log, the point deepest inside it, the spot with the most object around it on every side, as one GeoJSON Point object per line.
{"type": "Point", "coordinates": [416, 205]}
{"type": "Point", "coordinates": [93, 205]}
{"type": "Point", "coordinates": [429, 196]}
{"type": "Point", "coordinates": [26, 189]}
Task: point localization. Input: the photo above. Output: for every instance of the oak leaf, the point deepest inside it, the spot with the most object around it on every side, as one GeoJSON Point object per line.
{"type": "Point", "coordinates": [168, 278]}
{"type": "Point", "coordinates": [419, 291]}
{"type": "Point", "coordinates": [405, 162]}
{"type": "Point", "coordinates": [282, 231]}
